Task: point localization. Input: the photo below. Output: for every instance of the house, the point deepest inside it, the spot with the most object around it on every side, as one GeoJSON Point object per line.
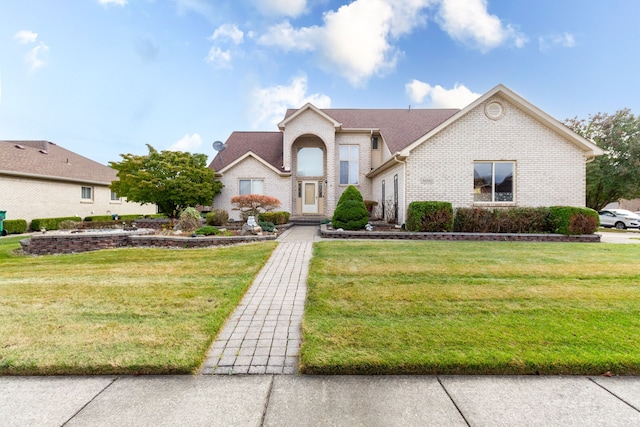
{"type": "Point", "coordinates": [39, 179]}
{"type": "Point", "coordinates": [499, 151]}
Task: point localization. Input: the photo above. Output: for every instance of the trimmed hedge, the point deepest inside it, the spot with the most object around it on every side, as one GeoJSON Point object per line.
{"type": "Point", "coordinates": [277, 217]}
{"type": "Point", "coordinates": [15, 226]}
{"type": "Point", "coordinates": [51, 223]}
{"type": "Point", "coordinates": [208, 230]}
{"type": "Point", "coordinates": [568, 220]}
{"type": "Point", "coordinates": [430, 217]}
{"type": "Point", "coordinates": [506, 220]}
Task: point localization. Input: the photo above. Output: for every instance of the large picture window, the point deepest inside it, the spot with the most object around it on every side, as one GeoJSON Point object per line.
{"type": "Point", "coordinates": [251, 186]}
{"type": "Point", "coordinates": [310, 161]}
{"type": "Point", "coordinates": [349, 164]}
{"type": "Point", "coordinates": [493, 181]}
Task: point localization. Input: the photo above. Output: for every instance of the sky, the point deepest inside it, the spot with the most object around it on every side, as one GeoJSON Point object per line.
{"type": "Point", "coordinates": [107, 77]}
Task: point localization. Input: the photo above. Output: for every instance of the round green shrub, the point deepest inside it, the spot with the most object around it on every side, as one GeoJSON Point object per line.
{"type": "Point", "coordinates": [350, 215]}
{"type": "Point", "coordinates": [208, 230]}
{"type": "Point", "coordinates": [267, 226]}
{"type": "Point", "coordinates": [351, 193]}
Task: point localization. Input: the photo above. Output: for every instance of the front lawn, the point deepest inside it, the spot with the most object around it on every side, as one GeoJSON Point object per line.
{"type": "Point", "coordinates": [120, 311]}
{"type": "Point", "coordinates": [407, 307]}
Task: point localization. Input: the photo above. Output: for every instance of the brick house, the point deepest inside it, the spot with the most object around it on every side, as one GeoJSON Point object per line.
{"type": "Point", "coordinates": [39, 179]}
{"type": "Point", "coordinates": [499, 151]}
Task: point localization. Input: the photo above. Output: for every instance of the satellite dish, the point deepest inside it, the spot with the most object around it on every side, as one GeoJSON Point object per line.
{"type": "Point", "coordinates": [219, 146]}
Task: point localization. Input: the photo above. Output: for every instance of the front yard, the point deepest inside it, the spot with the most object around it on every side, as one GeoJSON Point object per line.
{"type": "Point", "coordinates": [121, 311]}
{"type": "Point", "coordinates": [472, 308]}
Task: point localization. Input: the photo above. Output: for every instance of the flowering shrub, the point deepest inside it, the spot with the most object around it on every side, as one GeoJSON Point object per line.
{"type": "Point", "coordinates": [253, 204]}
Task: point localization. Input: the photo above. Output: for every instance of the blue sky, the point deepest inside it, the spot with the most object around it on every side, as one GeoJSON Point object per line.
{"type": "Point", "coordinates": [105, 77]}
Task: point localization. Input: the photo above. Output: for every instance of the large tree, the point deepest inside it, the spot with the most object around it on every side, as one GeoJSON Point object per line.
{"type": "Point", "coordinates": [616, 174]}
{"type": "Point", "coordinates": [173, 180]}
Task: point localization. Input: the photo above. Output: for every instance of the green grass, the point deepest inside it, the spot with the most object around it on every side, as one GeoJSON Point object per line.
{"type": "Point", "coordinates": [121, 311]}
{"type": "Point", "coordinates": [472, 308]}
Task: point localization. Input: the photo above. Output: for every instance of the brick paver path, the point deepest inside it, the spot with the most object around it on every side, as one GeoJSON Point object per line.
{"type": "Point", "coordinates": [262, 336]}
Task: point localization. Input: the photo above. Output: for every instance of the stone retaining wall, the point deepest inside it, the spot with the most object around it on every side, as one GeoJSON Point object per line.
{"type": "Point", "coordinates": [46, 244]}
{"type": "Point", "coordinates": [493, 237]}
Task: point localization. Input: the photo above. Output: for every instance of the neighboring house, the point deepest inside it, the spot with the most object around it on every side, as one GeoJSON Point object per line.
{"type": "Point", "coordinates": [499, 151]}
{"type": "Point", "coordinates": [39, 179]}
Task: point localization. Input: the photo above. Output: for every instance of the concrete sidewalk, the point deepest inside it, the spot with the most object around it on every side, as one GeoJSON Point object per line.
{"type": "Point", "coordinates": [294, 400]}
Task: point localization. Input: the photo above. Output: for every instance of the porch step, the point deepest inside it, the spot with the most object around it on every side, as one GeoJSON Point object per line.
{"type": "Point", "coordinates": [307, 219]}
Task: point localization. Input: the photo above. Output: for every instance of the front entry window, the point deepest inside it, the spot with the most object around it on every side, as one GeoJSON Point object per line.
{"type": "Point", "coordinates": [310, 161]}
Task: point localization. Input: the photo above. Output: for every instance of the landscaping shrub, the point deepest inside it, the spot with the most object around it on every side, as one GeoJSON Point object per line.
{"type": "Point", "coordinates": [570, 220]}
{"type": "Point", "coordinates": [430, 217]}
{"type": "Point", "coordinates": [15, 226]}
{"type": "Point", "coordinates": [217, 217]}
{"type": "Point", "coordinates": [51, 223]}
{"type": "Point", "coordinates": [190, 220]}
{"type": "Point", "coordinates": [351, 193]}
{"type": "Point", "coordinates": [68, 224]}
{"type": "Point", "coordinates": [208, 230]}
{"type": "Point", "coordinates": [110, 217]}
{"type": "Point", "coordinates": [277, 217]}
{"type": "Point", "coordinates": [267, 226]}
{"type": "Point", "coordinates": [350, 214]}
{"type": "Point", "coordinates": [506, 220]}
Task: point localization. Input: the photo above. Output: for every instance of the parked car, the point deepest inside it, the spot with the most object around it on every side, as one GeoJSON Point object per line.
{"type": "Point", "coordinates": [619, 218]}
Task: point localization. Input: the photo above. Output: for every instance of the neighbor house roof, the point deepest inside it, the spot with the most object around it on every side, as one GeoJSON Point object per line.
{"type": "Point", "coordinates": [398, 127]}
{"type": "Point", "coordinates": [266, 145]}
{"type": "Point", "coordinates": [46, 160]}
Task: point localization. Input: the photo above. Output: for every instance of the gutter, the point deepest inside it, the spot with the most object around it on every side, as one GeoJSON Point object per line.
{"type": "Point", "coordinates": [55, 178]}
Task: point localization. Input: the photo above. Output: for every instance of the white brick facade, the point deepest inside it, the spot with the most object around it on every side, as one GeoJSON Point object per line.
{"type": "Point", "coordinates": [28, 198]}
{"type": "Point", "coordinates": [549, 169]}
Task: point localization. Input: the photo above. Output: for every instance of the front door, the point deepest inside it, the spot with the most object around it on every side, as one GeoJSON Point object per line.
{"type": "Point", "coordinates": [309, 197]}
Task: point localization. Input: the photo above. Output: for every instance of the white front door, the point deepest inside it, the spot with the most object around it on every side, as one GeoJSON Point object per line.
{"type": "Point", "coordinates": [309, 197]}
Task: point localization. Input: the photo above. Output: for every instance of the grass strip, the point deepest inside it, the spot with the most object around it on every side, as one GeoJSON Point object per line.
{"type": "Point", "coordinates": [472, 308]}
{"type": "Point", "coordinates": [120, 311]}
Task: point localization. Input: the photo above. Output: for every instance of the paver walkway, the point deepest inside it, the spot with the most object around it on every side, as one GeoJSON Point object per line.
{"type": "Point", "coordinates": [262, 336]}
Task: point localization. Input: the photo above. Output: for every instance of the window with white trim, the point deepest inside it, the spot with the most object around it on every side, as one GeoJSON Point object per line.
{"type": "Point", "coordinates": [251, 186]}
{"type": "Point", "coordinates": [86, 193]}
{"type": "Point", "coordinates": [349, 170]}
{"type": "Point", "coordinates": [493, 182]}
{"type": "Point", "coordinates": [114, 196]}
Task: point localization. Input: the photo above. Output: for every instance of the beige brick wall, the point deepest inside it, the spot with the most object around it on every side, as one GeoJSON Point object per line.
{"type": "Point", "coordinates": [549, 170]}
{"type": "Point", "coordinates": [388, 178]}
{"type": "Point", "coordinates": [363, 141]}
{"type": "Point", "coordinates": [26, 198]}
{"type": "Point", "coordinates": [250, 168]}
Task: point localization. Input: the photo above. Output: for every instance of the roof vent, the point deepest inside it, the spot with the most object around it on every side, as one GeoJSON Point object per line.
{"type": "Point", "coordinates": [44, 151]}
{"type": "Point", "coordinates": [20, 147]}
{"type": "Point", "coordinates": [494, 110]}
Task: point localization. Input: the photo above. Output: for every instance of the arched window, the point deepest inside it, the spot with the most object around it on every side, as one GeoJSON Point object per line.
{"type": "Point", "coordinates": [310, 161]}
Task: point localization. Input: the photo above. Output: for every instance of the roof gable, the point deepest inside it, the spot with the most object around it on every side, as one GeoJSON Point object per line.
{"type": "Point", "coordinates": [48, 160]}
{"type": "Point", "coordinates": [589, 147]}
{"type": "Point", "coordinates": [264, 145]}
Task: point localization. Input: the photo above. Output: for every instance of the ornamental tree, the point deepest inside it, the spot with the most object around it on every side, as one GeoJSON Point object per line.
{"type": "Point", "coordinates": [616, 174]}
{"type": "Point", "coordinates": [173, 180]}
{"type": "Point", "coordinates": [253, 204]}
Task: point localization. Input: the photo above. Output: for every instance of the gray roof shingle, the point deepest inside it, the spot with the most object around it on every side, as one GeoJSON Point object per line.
{"type": "Point", "coordinates": [46, 159]}
{"type": "Point", "coordinates": [398, 127]}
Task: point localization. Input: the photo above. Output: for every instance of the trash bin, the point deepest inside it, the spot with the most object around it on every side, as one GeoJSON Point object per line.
{"type": "Point", "coordinates": [3, 216]}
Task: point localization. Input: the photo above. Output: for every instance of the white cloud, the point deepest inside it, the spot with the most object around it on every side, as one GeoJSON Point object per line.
{"type": "Point", "coordinates": [219, 58]}
{"type": "Point", "coordinates": [556, 40]}
{"type": "Point", "coordinates": [190, 143]}
{"type": "Point", "coordinates": [34, 56]}
{"type": "Point", "coordinates": [25, 37]}
{"type": "Point", "coordinates": [228, 32]}
{"type": "Point", "coordinates": [270, 104]}
{"type": "Point", "coordinates": [292, 8]}
{"type": "Point", "coordinates": [356, 40]}
{"type": "Point", "coordinates": [114, 2]}
{"type": "Point", "coordinates": [458, 97]}
{"type": "Point", "coordinates": [469, 22]}
{"type": "Point", "coordinates": [201, 7]}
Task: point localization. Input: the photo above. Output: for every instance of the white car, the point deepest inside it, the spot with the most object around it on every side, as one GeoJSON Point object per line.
{"type": "Point", "coordinates": [619, 218]}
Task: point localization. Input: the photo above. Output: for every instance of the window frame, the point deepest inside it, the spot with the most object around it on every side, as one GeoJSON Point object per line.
{"type": "Point", "coordinates": [352, 162]}
{"type": "Point", "coordinates": [83, 194]}
{"type": "Point", "coordinates": [494, 201]}
{"type": "Point", "coordinates": [251, 187]}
